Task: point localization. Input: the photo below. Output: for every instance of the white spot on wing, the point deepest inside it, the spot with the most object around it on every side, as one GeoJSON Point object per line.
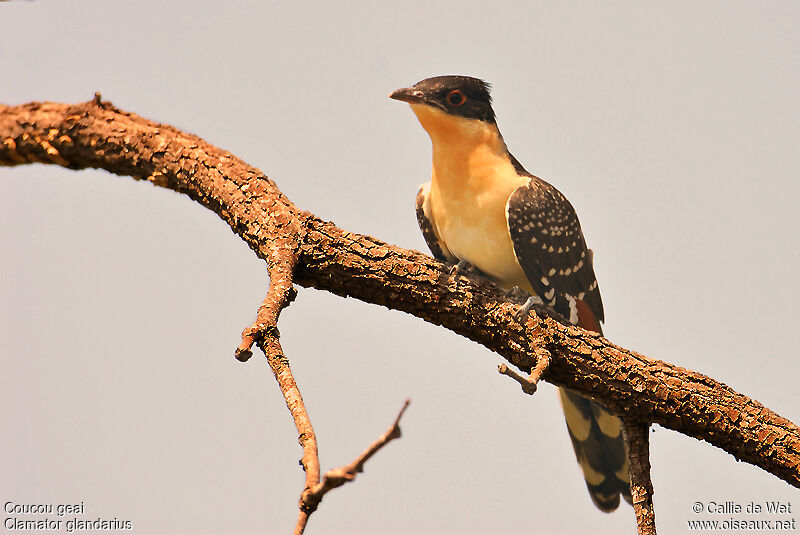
{"type": "Point", "coordinates": [573, 309]}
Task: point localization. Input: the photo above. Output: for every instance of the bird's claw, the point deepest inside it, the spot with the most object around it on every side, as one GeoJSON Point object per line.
{"type": "Point", "coordinates": [460, 268]}
{"type": "Point", "coordinates": [517, 293]}
{"type": "Point", "coordinates": [522, 314]}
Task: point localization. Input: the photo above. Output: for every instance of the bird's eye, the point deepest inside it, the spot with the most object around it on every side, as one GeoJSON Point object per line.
{"type": "Point", "coordinates": [456, 98]}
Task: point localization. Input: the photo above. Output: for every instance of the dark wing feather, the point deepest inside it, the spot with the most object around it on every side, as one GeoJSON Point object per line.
{"type": "Point", "coordinates": [425, 221]}
{"type": "Point", "coordinates": [550, 247]}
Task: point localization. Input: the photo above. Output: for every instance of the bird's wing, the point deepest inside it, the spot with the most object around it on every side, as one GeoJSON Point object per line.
{"type": "Point", "coordinates": [550, 248]}
{"type": "Point", "coordinates": [428, 228]}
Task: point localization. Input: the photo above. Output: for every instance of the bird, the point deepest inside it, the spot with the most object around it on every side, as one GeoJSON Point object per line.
{"type": "Point", "coordinates": [482, 209]}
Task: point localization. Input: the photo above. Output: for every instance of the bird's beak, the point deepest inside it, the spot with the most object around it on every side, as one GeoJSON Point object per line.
{"type": "Point", "coordinates": [408, 94]}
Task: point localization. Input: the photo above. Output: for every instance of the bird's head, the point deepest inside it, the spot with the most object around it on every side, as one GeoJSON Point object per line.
{"type": "Point", "coordinates": [460, 96]}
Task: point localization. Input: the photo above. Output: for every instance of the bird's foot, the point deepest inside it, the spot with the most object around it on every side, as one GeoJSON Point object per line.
{"type": "Point", "coordinates": [517, 294]}
{"type": "Point", "coordinates": [461, 268]}
{"type": "Point", "coordinates": [522, 314]}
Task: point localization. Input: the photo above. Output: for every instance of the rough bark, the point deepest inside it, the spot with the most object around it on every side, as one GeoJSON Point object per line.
{"type": "Point", "coordinates": [637, 446]}
{"type": "Point", "coordinates": [97, 135]}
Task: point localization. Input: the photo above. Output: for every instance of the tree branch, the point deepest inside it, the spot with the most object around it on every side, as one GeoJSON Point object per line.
{"type": "Point", "coordinates": [344, 474]}
{"type": "Point", "coordinates": [97, 135]}
{"type": "Point", "coordinates": [637, 445]}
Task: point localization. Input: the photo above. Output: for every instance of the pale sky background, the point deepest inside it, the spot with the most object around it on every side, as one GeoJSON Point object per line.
{"type": "Point", "coordinates": [673, 129]}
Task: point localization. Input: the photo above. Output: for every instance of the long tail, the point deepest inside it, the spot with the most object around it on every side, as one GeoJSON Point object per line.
{"type": "Point", "coordinates": [596, 436]}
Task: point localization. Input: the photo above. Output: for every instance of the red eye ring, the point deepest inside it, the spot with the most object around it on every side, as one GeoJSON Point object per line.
{"type": "Point", "coordinates": [455, 98]}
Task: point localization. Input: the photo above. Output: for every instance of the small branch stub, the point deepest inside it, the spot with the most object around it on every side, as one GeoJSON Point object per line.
{"type": "Point", "coordinates": [280, 295]}
{"type": "Point", "coordinates": [530, 383]}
